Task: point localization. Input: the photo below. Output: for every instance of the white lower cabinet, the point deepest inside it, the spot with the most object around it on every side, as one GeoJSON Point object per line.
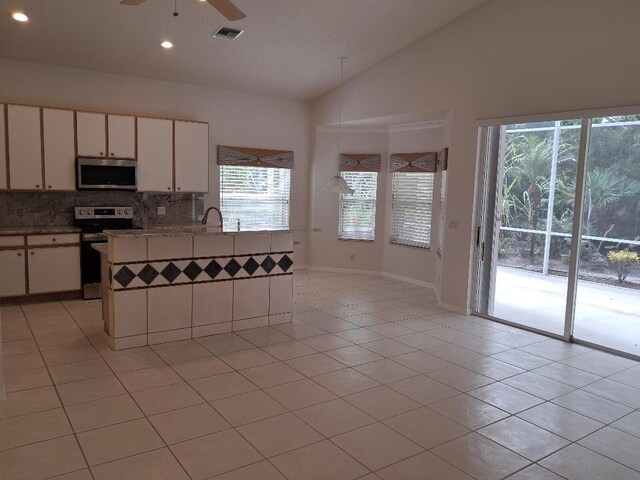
{"type": "Point", "coordinates": [55, 269]}
{"type": "Point", "coordinates": [12, 276]}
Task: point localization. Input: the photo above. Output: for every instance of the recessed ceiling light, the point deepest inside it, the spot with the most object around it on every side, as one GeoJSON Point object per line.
{"type": "Point", "coordinates": [166, 44]}
{"type": "Point", "coordinates": [19, 16]}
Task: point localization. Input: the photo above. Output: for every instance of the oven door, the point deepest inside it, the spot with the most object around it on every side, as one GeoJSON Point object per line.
{"type": "Point", "coordinates": [90, 265]}
{"type": "Point", "coordinates": [105, 174]}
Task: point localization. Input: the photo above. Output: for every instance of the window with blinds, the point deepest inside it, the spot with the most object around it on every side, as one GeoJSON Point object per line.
{"type": "Point", "coordinates": [358, 210]}
{"type": "Point", "coordinates": [412, 203]}
{"type": "Point", "coordinates": [256, 197]}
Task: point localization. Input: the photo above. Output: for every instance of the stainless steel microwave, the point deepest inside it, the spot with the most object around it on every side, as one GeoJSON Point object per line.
{"type": "Point", "coordinates": [106, 174]}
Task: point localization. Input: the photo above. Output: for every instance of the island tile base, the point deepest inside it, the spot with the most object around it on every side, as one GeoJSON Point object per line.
{"type": "Point", "coordinates": [168, 287]}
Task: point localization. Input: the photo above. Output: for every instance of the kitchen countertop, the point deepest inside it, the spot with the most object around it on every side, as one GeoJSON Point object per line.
{"type": "Point", "coordinates": [7, 231]}
{"type": "Point", "coordinates": [103, 248]}
{"type": "Point", "coordinates": [178, 230]}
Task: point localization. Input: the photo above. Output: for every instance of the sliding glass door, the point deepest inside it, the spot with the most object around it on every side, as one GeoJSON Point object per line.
{"type": "Point", "coordinates": [607, 310]}
{"type": "Point", "coordinates": [559, 229]}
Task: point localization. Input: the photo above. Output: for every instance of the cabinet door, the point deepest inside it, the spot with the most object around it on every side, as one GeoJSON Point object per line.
{"type": "Point", "coordinates": [3, 151]}
{"type": "Point", "coordinates": [192, 157]}
{"type": "Point", "coordinates": [91, 131]}
{"type": "Point", "coordinates": [122, 136]}
{"type": "Point", "coordinates": [12, 279]}
{"type": "Point", "coordinates": [55, 269]}
{"type": "Point", "coordinates": [59, 149]}
{"type": "Point", "coordinates": [155, 155]}
{"type": "Point", "coordinates": [25, 155]}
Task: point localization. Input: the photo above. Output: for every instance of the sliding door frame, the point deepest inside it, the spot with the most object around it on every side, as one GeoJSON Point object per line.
{"type": "Point", "coordinates": [487, 213]}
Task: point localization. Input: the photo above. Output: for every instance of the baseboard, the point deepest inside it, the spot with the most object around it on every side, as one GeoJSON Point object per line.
{"type": "Point", "coordinates": [408, 280]}
{"type": "Point", "coordinates": [342, 270]}
{"type": "Point", "coordinates": [446, 306]}
{"type": "Point", "coordinates": [369, 272]}
{"type": "Point", "coordinates": [454, 308]}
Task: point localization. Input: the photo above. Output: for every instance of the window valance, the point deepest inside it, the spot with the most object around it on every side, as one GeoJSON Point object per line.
{"type": "Point", "coordinates": [360, 162]}
{"type": "Point", "coordinates": [413, 162]}
{"type": "Point", "coordinates": [254, 157]}
{"type": "Point", "coordinates": [443, 159]}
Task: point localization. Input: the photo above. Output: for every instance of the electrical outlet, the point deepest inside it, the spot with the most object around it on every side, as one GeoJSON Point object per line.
{"type": "Point", "coordinates": [352, 257]}
{"type": "Point", "coordinates": [162, 210]}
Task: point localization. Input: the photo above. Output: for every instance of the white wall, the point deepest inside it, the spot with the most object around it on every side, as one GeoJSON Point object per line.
{"type": "Point", "coordinates": [378, 255]}
{"type": "Point", "coordinates": [505, 58]}
{"type": "Point", "coordinates": [234, 118]}
{"type": "Point", "coordinates": [325, 250]}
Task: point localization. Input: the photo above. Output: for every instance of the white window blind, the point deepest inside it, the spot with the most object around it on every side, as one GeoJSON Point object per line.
{"type": "Point", "coordinates": [257, 197]}
{"type": "Point", "coordinates": [411, 209]}
{"type": "Point", "coordinates": [358, 211]}
{"type": "Point", "coordinates": [443, 197]}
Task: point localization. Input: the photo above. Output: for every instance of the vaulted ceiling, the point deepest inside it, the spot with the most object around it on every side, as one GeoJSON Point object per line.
{"type": "Point", "coordinates": [289, 48]}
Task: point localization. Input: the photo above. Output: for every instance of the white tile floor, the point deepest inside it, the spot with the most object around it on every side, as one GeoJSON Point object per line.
{"type": "Point", "coordinates": [372, 380]}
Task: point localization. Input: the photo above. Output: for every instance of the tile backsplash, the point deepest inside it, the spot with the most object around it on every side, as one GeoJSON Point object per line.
{"type": "Point", "coordinates": [27, 209]}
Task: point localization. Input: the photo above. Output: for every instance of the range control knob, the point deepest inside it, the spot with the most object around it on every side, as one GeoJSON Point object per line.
{"type": "Point", "coordinates": [119, 211]}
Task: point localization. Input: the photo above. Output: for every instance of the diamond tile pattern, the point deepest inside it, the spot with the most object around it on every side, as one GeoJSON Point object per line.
{"type": "Point", "coordinates": [148, 274]}
{"type": "Point", "coordinates": [170, 272]}
{"type": "Point", "coordinates": [193, 270]}
{"type": "Point", "coordinates": [250, 266]}
{"type": "Point", "coordinates": [137, 275]}
{"type": "Point", "coordinates": [286, 405]}
{"type": "Point", "coordinates": [124, 276]}
{"type": "Point", "coordinates": [212, 269]}
{"type": "Point", "coordinates": [285, 263]}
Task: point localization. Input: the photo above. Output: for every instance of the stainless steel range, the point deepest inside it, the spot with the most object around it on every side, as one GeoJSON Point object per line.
{"type": "Point", "coordinates": [93, 221]}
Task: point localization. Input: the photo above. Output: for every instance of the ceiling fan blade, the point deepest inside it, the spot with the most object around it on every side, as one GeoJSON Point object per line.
{"type": "Point", "coordinates": [228, 9]}
{"type": "Point", "coordinates": [131, 3]}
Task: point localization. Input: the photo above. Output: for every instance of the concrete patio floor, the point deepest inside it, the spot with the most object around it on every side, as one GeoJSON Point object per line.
{"type": "Point", "coordinates": [605, 314]}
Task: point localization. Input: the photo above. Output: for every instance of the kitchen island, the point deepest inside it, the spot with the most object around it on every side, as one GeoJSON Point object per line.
{"type": "Point", "coordinates": [177, 282]}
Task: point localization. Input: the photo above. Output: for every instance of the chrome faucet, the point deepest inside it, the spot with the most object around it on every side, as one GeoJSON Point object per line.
{"type": "Point", "coordinates": [206, 216]}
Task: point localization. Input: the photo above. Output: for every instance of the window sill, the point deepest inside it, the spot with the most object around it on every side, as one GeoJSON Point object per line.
{"type": "Point", "coordinates": [427, 248]}
{"type": "Point", "coordinates": [355, 240]}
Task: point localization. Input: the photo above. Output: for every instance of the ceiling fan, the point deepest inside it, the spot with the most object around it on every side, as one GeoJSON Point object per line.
{"type": "Point", "coordinates": [225, 7]}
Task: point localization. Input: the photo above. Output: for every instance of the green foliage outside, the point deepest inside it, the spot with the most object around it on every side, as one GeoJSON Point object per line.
{"type": "Point", "coordinates": [612, 195]}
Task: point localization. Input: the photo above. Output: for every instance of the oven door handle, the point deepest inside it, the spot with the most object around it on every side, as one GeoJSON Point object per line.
{"type": "Point", "coordinates": [93, 237]}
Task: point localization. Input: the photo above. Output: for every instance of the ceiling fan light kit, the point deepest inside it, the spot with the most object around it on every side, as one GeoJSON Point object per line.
{"type": "Point", "coordinates": [225, 7]}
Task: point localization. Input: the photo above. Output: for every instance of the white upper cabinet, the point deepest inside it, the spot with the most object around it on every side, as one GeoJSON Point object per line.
{"type": "Point", "coordinates": [25, 155]}
{"type": "Point", "coordinates": [155, 155]}
{"type": "Point", "coordinates": [122, 136]}
{"type": "Point", "coordinates": [91, 131]}
{"type": "Point", "coordinates": [3, 150]}
{"type": "Point", "coordinates": [59, 149]}
{"type": "Point", "coordinates": [192, 156]}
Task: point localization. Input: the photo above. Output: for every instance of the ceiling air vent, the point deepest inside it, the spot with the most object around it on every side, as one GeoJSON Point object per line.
{"type": "Point", "coordinates": [228, 33]}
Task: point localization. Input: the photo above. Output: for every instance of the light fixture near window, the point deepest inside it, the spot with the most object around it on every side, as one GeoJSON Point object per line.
{"type": "Point", "coordinates": [337, 184]}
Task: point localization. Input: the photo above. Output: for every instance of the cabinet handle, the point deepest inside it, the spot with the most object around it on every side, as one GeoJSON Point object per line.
{"type": "Point", "coordinates": [19, 254]}
{"type": "Point", "coordinates": [112, 154]}
{"type": "Point", "coordinates": [48, 186]}
{"type": "Point", "coordinates": [168, 188]}
{"type": "Point", "coordinates": [178, 188]}
{"type": "Point", "coordinates": [101, 153]}
{"type": "Point", "coordinates": [37, 186]}
{"type": "Point", "coordinates": [53, 239]}
{"type": "Point", "coordinates": [32, 252]}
